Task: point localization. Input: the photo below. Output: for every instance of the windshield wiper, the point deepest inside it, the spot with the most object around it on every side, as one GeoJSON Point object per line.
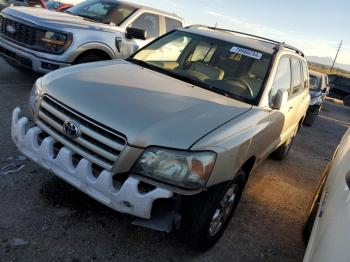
{"type": "Point", "coordinates": [139, 62]}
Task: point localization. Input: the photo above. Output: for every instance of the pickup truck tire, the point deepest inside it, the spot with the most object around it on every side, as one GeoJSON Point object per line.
{"type": "Point", "coordinates": [310, 118]}
{"type": "Point", "coordinates": [87, 59]}
{"type": "Point", "coordinates": [346, 101]}
{"type": "Point", "coordinates": [206, 215]}
{"type": "Point", "coordinates": [283, 150]}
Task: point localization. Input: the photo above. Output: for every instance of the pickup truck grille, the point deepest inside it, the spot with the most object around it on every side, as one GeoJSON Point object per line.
{"type": "Point", "coordinates": [96, 143]}
{"type": "Point", "coordinates": [22, 34]}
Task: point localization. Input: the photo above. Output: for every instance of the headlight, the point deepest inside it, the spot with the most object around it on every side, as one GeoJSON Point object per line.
{"type": "Point", "coordinates": [185, 169]}
{"type": "Point", "coordinates": [54, 42]}
{"type": "Point", "coordinates": [35, 95]}
{"type": "Point", "coordinates": [316, 100]}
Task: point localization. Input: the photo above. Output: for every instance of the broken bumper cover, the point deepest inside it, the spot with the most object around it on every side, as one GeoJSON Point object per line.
{"type": "Point", "coordinates": [126, 199]}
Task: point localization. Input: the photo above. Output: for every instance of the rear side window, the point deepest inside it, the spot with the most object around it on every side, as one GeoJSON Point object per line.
{"type": "Point", "coordinates": [283, 77]}
{"type": "Point", "coordinates": [296, 76]}
{"type": "Point", "coordinates": [149, 23]}
{"type": "Point", "coordinates": [172, 24]}
{"type": "Point", "coordinates": [305, 74]}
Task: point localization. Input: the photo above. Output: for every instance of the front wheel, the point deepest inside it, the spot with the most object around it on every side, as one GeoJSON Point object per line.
{"type": "Point", "coordinates": [206, 216]}
{"type": "Point", "coordinates": [310, 118]}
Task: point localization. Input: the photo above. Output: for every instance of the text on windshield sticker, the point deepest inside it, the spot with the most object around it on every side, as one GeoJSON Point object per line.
{"type": "Point", "coordinates": [246, 52]}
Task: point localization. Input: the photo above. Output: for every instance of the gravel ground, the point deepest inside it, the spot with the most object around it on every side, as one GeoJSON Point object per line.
{"type": "Point", "coordinates": [44, 219]}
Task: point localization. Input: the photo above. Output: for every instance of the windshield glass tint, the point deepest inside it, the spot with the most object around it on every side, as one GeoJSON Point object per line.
{"type": "Point", "coordinates": [103, 11]}
{"type": "Point", "coordinates": [223, 67]}
{"type": "Point", "coordinates": [314, 83]}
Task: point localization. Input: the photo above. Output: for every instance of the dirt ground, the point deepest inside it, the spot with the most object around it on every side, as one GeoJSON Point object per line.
{"type": "Point", "coordinates": [44, 219]}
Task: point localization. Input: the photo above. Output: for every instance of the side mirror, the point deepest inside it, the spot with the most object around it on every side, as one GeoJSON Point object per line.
{"type": "Point", "coordinates": [280, 99]}
{"type": "Point", "coordinates": [132, 32]}
{"type": "Point", "coordinates": [347, 178]}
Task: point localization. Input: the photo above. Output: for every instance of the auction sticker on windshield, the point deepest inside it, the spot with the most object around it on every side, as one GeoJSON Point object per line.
{"type": "Point", "coordinates": [246, 52]}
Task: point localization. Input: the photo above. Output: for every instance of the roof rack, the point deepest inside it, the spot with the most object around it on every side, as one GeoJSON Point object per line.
{"type": "Point", "coordinates": [278, 46]}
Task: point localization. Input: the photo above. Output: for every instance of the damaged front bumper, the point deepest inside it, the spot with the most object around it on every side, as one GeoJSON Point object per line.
{"type": "Point", "coordinates": [126, 199]}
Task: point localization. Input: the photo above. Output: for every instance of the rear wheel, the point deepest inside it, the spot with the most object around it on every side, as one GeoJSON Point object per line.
{"type": "Point", "coordinates": [310, 117]}
{"type": "Point", "coordinates": [206, 216]}
{"type": "Point", "coordinates": [283, 150]}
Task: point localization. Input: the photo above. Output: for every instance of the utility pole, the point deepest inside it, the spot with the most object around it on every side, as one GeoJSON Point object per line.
{"type": "Point", "coordinates": [336, 56]}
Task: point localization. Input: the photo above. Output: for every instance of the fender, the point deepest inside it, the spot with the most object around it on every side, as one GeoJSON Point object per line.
{"type": "Point", "coordinates": [93, 45]}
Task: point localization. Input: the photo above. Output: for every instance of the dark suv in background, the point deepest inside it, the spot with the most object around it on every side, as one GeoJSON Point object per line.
{"type": "Point", "coordinates": [340, 88]}
{"type": "Point", "coordinates": [319, 89]}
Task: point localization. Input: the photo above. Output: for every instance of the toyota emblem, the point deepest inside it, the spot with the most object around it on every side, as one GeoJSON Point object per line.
{"type": "Point", "coordinates": [71, 129]}
{"type": "Point", "coordinates": [11, 29]}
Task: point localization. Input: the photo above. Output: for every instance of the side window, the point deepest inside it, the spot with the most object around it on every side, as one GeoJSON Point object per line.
{"type": "Point", "coordinates": [149, 23]}
{"type": "Point", "coordinates": [283, 77]}
{"type": "Point", "coordinates": [172, 24]}
{"type": "Point", "coordinates": [296, 76]}
{"type": "Point", "coordinates": [306, 75]}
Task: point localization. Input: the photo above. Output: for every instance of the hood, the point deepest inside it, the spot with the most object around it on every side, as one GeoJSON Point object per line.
{"type": "Point", "coordinates": [52, 19]}
{"type": "Point", "coordinates": [148, 107]}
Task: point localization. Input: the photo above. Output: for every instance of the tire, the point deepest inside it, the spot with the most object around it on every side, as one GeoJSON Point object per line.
{"type": "Point", "coordinates": [282, 151]}
{"type": "Point", "coordinates": [87, 58]}
{"type": "Point", "coordinates": [310, 118]}
{"type": "Point", "coordinates": [346, 101]}
{"type": "Point", "coordinates": [198, 226]}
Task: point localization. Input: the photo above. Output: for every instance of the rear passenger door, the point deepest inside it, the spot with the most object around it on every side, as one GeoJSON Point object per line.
{"type": "Point", "coordinates": [297, 88]}
{"type": "Point", "coordinates": [300, 89]}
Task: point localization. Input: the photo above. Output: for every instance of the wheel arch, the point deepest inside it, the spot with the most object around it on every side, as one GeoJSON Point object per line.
{"type": "Point", "coordinates": [248, 165]}
{"type": "Point", "coordinates": [94, 48]}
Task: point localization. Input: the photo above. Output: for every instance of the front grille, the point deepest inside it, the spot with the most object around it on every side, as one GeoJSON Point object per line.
{"type": "Point", "coordinates": [23, 34]}
{"type": "Point", "coordinates": [96, 143]}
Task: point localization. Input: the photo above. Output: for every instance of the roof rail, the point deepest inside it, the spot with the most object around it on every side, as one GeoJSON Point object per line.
{"type": "Point", "coordinates": [286, 46]}
{"type": "Point", "coordinates": [277, 47]}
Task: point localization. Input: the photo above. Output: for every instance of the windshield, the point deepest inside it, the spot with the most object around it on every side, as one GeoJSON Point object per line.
{"type": "Point", "coordinates": [314, 83]}
{"type": "Point", "coordinates": [103, 11]}
{"type": "Point", "coordinates": [222, 67]}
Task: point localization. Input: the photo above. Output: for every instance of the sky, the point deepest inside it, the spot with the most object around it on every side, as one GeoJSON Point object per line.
{"type": "Point", "coordinates": [315, 27]}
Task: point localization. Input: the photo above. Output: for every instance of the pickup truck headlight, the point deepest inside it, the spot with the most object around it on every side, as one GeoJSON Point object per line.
{"type": "Point", "coordinates": [55, 42]}
{"type": "Point", "coordinates": [35, 95]}
{"type": "Point", "coordinates": [190, 170]}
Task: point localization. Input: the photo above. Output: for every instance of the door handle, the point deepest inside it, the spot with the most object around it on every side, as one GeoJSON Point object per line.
{"type": "Point", "coordinates": [290, 109]}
